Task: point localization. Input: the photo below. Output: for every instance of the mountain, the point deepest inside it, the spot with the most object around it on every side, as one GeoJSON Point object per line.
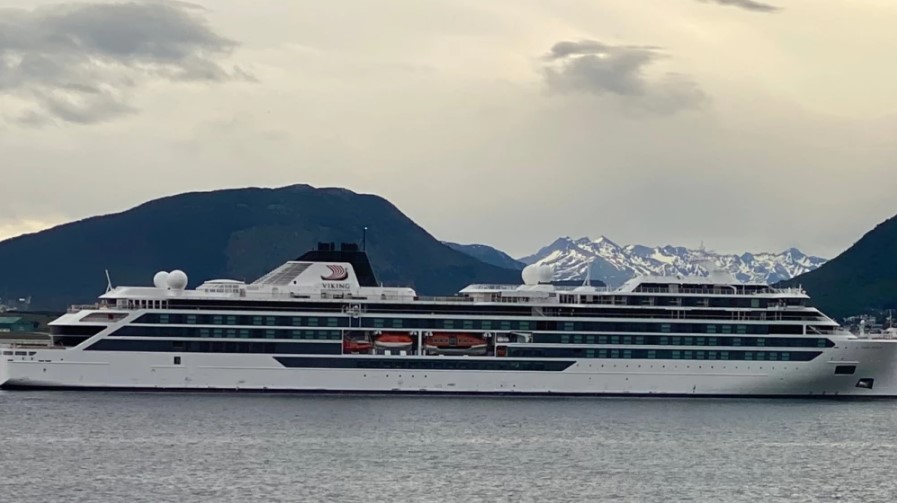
{"type": "Point", "coordinates": [862, 279]}
{"type": "Point", "coordinates": [614, 264]}
{"type": "Point", "coordinates": [488, 255]}
{"type": "Point", "coordinates": [240, 234]}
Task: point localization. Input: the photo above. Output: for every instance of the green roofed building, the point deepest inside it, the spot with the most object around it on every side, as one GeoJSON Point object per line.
{"type": "Point", "coordinates": [15, 324]}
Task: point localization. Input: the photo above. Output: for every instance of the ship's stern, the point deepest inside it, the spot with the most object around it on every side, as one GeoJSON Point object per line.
{"type": "Point", "coordinates": [4, 367]}
{"type": "Point", "coordinates": [25, 364]}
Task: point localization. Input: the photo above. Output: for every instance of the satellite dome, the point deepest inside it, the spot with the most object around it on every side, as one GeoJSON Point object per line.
{"type": "Point", "coordinates": [160, 280]}
{"type": "Point", "coordinates": [546, 274]}
{"type": "Point", "coordinates": [530, 274]}
{"type": "Point", "coordinates": [177, 280]}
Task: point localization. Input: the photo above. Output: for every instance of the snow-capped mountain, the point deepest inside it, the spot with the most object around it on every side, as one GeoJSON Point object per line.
{"type": "Point", "coordinates": [614, 264]}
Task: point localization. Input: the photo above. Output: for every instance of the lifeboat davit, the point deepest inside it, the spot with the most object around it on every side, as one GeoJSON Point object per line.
{"type": "Point", "coordinates": [393, 342]}
{"type": "Point", "coordinates": [455, 344]}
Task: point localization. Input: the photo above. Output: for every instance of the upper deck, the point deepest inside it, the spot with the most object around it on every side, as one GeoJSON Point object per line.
{"type": "Point", "coordinates": [349, 279]}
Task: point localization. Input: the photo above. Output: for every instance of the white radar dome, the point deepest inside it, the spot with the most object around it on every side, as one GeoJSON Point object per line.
{"type": "Point", "coordinates": [530, 274]}
{"type": "Point", "coordinates": [177, 280]}
{"type": "Point", "coordinates": [160, 280]}
{"type": "Point", "coordinates": [546, 274]}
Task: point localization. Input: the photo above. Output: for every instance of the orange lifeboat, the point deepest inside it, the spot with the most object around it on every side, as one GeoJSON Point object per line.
{"type": "Point", "coordinates": [393, 342]}
{"type": "Point", "coordinates": [357, 346]}
{"type": "Point", "coordinates": [448, 343]}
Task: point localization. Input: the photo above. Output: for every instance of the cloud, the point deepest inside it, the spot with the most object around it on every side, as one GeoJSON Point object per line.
{"type": "Point", "coordinates": [80, 63]}
{"type": "Point", "coordinates": [591, 67]}
{"type": "Point", "coordinates": [745, 4]}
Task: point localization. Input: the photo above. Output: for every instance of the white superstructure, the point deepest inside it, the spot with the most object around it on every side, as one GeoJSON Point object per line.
{"type": "Point", "coordinates": [322, 323]}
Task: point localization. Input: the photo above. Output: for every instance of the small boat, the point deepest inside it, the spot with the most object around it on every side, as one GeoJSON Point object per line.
{"type": "Point", "coordinates": [393, 342]}
{"type": "Point", "coordinates": [446, 343]}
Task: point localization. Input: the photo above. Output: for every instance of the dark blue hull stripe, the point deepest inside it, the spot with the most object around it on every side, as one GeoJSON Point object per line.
{"type": "Point", "coordinates": [500, 364]}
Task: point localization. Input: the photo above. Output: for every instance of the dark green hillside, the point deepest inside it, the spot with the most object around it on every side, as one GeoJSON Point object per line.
{"type": "Point", "coordinates": [862, 278]}
{"type": "Point", "coordinates": [239, 234]}
{"type": "Point", "coordinates": [488, 255]}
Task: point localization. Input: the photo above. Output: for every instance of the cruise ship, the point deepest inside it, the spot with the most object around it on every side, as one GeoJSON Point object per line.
{"type": "Point", "coordinates": [322, 323]}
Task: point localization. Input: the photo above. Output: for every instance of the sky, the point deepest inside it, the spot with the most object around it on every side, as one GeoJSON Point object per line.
{"type": "Point", "coordinates": [747, 125]}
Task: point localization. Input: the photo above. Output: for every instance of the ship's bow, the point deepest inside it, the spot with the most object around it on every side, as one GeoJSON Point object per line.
{"type": "Point", "coordinates": [866, 367]}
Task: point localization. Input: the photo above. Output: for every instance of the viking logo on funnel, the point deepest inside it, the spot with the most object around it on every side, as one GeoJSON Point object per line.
{"type": "Point", "coordinates": [337, 273]}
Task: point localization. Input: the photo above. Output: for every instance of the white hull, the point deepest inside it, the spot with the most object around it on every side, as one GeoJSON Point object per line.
{"type": "Point", "coordinates": [55, 368]}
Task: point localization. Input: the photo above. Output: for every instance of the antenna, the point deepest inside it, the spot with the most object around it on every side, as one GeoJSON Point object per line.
{"type": "Point", "coordinates": [108, 282]}
{"type": "Point", "coordinates": [364, 235]}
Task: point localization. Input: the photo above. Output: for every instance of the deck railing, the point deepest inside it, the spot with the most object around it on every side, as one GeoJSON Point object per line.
{"type": "Point", "coordinates": [75, 308]}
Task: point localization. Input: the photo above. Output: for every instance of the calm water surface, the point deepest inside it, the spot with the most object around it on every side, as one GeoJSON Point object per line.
{"type": "Point", "coordinates": [66, 446]}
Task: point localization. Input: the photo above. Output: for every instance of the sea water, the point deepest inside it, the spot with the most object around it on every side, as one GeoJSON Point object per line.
{"type": "Point", "coordinates": [80, 446]}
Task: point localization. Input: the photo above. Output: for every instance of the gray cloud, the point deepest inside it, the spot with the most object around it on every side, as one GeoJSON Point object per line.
{"type": "Point", "coordinates": [591, 67]}
{"type": "Point", "coordinates": [79, 63]}
{"type": "Point", "coordinates": [746, 4]}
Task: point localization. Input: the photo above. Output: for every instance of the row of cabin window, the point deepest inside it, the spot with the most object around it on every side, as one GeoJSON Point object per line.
{"type": "Point", "coordinates": [648, 300]}
{"type": "Point", "coordinates": [664, 340]}
{"type": "Point", "coordinates": [573, 326]}
{"type": "Point", "coordinates": [658, 312]}
{"type": "Point", "coordinates": [461, 324]}
{"type": "Point", "coordinates": [244, 320]}
{"type": "Point", "coordinates": [229, 333]}
{"type": "Point", "coordinates": [662, 354]}
{"type": "Point", "coordinates": [294, 348]}
{"type": "Point", "coordinates": [691, 314]}
{"type": "Point", "coordinates": [739, 302]}
{"type": "Point", "coordinates": [428, 364]}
